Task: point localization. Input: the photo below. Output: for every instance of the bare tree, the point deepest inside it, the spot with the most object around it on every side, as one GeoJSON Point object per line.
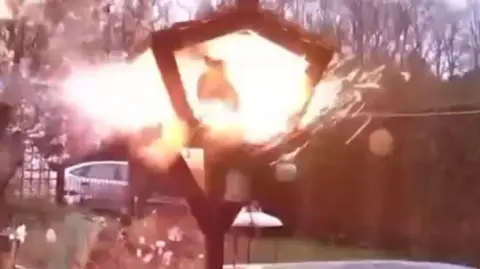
{"type": "Point", "coordinates": [450, 48]}
{"type": "Point", "coordinates": [474, 31]}
{"type": "Point", "coordinates": [402, 21]}
{"type": "Point", "coordinates": [357, 27]}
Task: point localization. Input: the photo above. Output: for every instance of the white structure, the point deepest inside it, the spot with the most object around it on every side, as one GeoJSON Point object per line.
{"type": "Point", "coordinates": [107, 181]}
{"type": "Point", "coordinates": [250, 217]}
{"type": "Point", "coordinates": [255, 218]}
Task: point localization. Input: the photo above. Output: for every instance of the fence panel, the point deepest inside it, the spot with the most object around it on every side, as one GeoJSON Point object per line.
{"type": "Point", "coordinates": [34, 179]}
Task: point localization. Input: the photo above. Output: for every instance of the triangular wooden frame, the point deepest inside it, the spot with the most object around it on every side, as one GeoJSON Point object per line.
{"type": "Point", "coordinates": [316, 49]}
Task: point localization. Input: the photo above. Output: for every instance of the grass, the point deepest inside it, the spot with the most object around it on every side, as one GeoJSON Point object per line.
{"type": "Point", "coordinates": [270, 250]}
{"type": "Point", "coordinates": [36, 252]}
{"type": "Point", "coordinates": [39, 216]}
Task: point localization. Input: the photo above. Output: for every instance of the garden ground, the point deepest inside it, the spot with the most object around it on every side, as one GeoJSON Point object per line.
{"type": "Point", "coordinates": [36, 252]}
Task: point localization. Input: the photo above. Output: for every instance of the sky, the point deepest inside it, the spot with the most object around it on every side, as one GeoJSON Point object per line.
{"type": "Point", "coordinates": [4, 12]}
{"type": "Point", "coordinates": [456, 4]}
{"type": "Point", "coordinates": [183, 10]}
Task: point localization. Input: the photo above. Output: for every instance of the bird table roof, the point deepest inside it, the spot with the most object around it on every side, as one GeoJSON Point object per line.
{"type": "Point", "coordinates": [265, 23]}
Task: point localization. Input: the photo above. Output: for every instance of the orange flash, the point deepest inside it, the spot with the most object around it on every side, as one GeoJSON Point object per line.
{"type": "Point", "coordinates": [270, 84]}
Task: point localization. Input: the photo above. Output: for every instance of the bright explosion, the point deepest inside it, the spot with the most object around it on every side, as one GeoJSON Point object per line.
{"type": "Point", "coordinates": [270, 83]}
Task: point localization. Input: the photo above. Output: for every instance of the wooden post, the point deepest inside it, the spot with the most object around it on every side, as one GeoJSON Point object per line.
{"type": "Point", "coordinates": [215, 176]}
{"type": "Point", "coordinates": [213, 214]}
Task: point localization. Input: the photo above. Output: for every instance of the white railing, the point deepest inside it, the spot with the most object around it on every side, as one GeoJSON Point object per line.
{"type": "Point", "coordinates": [110, 191]}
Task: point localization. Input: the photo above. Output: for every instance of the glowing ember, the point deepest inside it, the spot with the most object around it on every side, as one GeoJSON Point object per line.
{"type": "Point", "coordinates": [270, 83]}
